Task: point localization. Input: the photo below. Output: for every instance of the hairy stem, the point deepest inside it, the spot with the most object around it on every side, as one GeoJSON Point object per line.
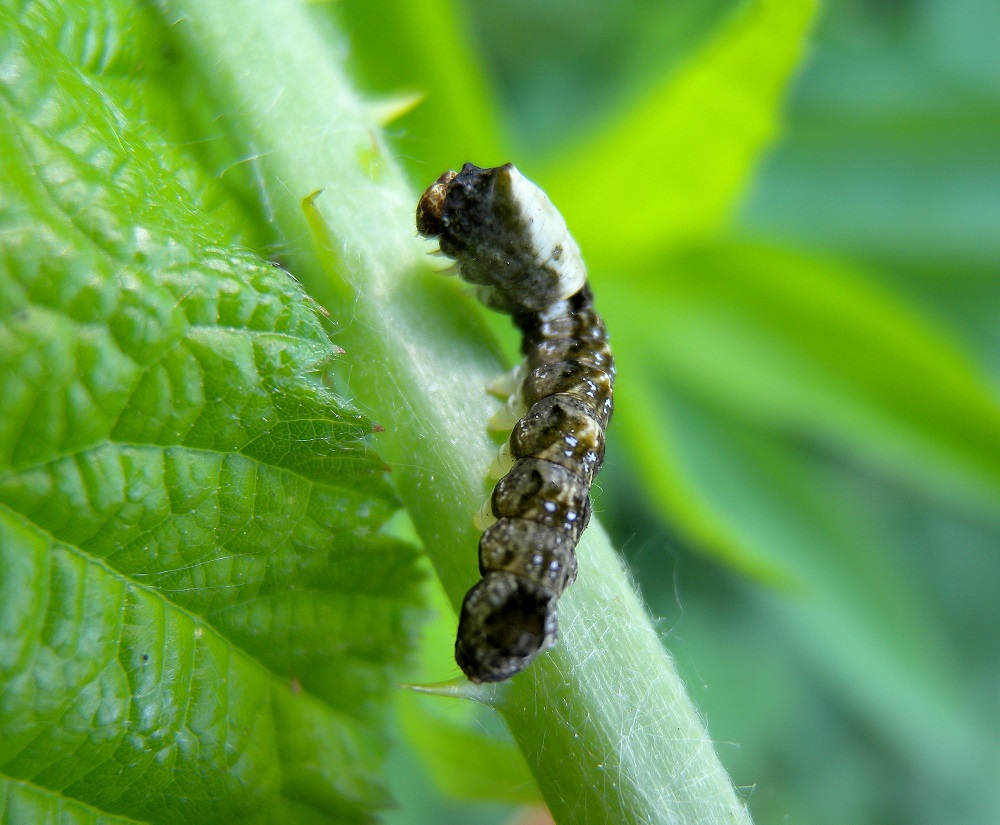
{"type": "Point", "coordinates": [603, 720]}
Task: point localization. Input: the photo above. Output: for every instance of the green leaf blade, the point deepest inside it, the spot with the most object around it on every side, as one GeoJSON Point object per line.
{"type": "Point", "coordinates": [23, 802]}
{"type": "Point", "coordinates": [172, 463]}
{"type": "Point", "coordinates": [679, 161]}
{"type": "Point", "coordinates": [805, 345]}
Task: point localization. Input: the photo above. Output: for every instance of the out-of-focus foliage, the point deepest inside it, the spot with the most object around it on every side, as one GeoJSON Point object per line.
{"type": "Point", "coordinates": [805, 462]}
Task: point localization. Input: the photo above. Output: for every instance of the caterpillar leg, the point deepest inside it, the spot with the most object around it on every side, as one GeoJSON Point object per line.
{"type": "Point", "coordinates": [508, 383]}
{"type": "Point", "coordinates": [442, 264]}
{"type": "Point", "coordinates": [484, 518]}
{"type": "Point", "coordinates": [508, 415]}
{"type": "Point", "coordinates": [502, 462]}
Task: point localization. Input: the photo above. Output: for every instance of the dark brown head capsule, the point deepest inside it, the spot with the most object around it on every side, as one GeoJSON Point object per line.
{"type": "Point", "coordinates": [431, 206]}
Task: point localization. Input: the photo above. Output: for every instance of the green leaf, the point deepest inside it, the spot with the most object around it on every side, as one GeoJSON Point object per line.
{"type": "Point", "coordinates": [892, 149]}
{"type": "Point", "coordinates": [199, 611]}
{"type": "Point", "coordinates": [23, 802]}
{"type": "Point", "coordinates": [673, 166]}
{"type": "Point", "coordinates": [807, 346]}
{"type": "Point", "coordinates": [466, 761]}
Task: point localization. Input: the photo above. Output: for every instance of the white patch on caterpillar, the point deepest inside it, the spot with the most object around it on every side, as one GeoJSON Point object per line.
{"type": "Point", "coordinates": [556, 310]}
{"type": "Point", "coordinates": [548, 237]}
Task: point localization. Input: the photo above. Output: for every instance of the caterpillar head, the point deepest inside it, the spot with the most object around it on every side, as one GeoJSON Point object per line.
{"type": "Point", "coordinates": [506, 236]}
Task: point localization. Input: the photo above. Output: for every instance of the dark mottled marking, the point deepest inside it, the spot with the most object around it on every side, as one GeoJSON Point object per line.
{"type": "Point", "coordinates": [584, 382]}
{"type": "Point", "coordinates": [546, 493]}
{"type": "Point", "coordinates": [564, 430]}
{"type": "Point", "coordinates": [553, 563]}
{"type": "Point", "coordinates": [509, 239]}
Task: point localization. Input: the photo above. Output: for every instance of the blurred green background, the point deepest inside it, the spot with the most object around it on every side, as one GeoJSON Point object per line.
{"type": "Point", "coordinates": [804, 469]}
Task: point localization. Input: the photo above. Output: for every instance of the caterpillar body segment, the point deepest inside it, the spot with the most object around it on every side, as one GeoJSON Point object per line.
{"type": "Point", "coordinates": [509, 240]}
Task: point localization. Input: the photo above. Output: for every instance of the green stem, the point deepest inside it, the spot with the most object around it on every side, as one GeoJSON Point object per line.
{"type": "Point", "coordinates": [603, 719]}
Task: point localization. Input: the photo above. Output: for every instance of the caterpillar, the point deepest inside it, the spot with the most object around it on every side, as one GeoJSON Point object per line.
{"type": "Point", "coordinates": [509, 240]}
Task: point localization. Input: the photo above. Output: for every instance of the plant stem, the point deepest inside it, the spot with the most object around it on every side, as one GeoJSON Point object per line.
{"type": "Point", "coordinates": [603, 719]}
